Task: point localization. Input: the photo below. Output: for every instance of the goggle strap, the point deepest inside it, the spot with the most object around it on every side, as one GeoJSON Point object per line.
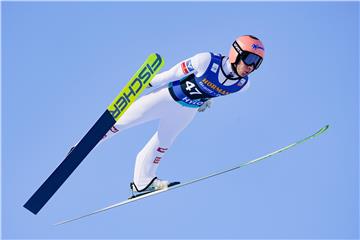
{"type": "Point", "coordinates": [237, 47]}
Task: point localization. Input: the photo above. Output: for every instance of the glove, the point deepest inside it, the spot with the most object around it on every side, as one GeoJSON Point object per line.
{"type": "Point", "coordinates": [206, 104]}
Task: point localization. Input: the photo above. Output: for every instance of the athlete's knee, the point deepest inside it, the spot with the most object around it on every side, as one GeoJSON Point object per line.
{"type": "Point", "coordinates": [167, 139]}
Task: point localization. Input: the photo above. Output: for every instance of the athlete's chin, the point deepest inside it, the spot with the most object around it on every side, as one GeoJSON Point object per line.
{"type": "Point", "coordinates": [244, 74]}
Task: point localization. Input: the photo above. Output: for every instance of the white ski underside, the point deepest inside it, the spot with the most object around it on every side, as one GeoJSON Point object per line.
{"type": "Point", "coordinates": [196, 180]}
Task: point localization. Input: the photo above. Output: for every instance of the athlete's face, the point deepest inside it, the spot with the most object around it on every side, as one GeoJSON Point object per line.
{"type": "Point", "coordinates": [243, 70]}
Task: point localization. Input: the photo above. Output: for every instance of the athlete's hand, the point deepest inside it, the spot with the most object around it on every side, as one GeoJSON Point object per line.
{"type": "Point", "coordinates": [203, 107]}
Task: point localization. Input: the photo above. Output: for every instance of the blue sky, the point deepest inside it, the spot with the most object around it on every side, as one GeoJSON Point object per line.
{"type": "Point", "coordinates": [63, 63]}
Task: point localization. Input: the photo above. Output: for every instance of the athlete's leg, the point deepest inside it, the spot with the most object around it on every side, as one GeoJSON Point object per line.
{"type": "Point", "coordinates": [145, 109]}
{"type": "Point", "coordinates": [173, 121]}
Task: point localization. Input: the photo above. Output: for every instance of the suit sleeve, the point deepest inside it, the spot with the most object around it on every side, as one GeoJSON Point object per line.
{"type": "Point", "coordinates": [184, 68]}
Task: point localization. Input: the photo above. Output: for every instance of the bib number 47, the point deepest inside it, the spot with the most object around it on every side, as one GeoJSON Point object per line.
{"type": "Point", "coordinates": [192, 89]}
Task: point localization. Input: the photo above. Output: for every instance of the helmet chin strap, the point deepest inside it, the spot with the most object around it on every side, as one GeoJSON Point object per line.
{"type": "Point", "coordinates": [230, 75]}
{"type": "Point", "coordinates": [233, 67]}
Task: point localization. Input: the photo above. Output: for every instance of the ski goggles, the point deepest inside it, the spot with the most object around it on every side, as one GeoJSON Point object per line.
{"type": "Point", "coordinates": [250, 59]}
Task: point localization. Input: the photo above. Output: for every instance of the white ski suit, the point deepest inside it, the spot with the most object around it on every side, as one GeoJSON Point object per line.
{"type": "Point", "coordinates": [179, 93]}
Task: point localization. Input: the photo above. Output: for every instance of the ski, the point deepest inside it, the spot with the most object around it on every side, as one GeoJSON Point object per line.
{"type": "Point", "coordinates": [112, 114]}
{"type": "Point", "coordinates": [322, 130]}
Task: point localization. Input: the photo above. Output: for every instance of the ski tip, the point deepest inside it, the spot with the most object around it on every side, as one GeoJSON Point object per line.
{"type": "Point", "coordinates": [323, 129]}
{"type": "Point", "coordinates": [155, 55]}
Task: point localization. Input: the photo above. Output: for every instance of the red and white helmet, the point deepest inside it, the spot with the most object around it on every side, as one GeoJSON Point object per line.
{"type": "Point", "coordinates": [247, 48]}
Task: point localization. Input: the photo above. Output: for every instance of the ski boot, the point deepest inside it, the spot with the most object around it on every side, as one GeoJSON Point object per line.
{"type": "Point", "coordinates": [154, 185]}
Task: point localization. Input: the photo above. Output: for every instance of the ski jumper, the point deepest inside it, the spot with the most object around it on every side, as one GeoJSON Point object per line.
{"type": "Point", "coordinates": [179, 92]}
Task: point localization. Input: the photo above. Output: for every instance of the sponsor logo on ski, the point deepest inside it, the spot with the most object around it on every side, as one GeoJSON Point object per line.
{"type": "Point", "coordinates": [132, 89]}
